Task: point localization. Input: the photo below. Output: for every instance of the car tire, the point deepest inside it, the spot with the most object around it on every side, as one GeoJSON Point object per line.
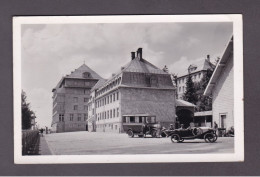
{"type": "Point", "coordinates": [175, 137]}
{"type": "Point", "coordinates": [130, 133]}
{"type": "Point", "coordinates": [209, 138]}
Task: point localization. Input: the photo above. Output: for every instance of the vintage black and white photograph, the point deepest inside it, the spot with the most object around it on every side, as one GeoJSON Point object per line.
{"type": "Point", "coordinates": [117, 89]}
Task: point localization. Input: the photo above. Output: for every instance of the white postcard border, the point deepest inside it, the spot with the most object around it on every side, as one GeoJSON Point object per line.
{"type": "Point", "coordinates": [238, 154]}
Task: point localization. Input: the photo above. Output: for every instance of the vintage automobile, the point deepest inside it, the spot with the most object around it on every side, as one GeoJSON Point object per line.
{"type": "Point", "coordinates": [140, 124]}
{"type": "Point", "coordinates": [179, 135]}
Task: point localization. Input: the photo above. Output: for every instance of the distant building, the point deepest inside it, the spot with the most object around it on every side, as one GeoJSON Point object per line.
{"type": "Point", "coordinates": [70, 99]}
{"type": "Point", "coordinates": [221, 87]}
{"type": "Point", "coordinates": [137, 90]}
{"type": "Point", "coordinates": [196, 70]}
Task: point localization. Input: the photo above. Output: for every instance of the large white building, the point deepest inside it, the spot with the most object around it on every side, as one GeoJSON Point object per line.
{"type": "Point", "coordinates": [138, 90]}
{"type": "Point", "coordinates": [196, 70]}
{"type": "Point", "coordinates": [70, 99]}
{"type": "Point", "coordinates": [221, 87]}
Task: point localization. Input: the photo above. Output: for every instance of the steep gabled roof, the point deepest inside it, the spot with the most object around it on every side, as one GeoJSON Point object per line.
{"type": "Point", "coordinates": [78, 73]}
{"type": "Point", "coordinates": [98, 84]}
{"type": "Point", "coordinates": [220, 66]}
{"type": "Point", "coordinates": [200, 65]}
{"type": "Point", "coordinates": [142, 66]}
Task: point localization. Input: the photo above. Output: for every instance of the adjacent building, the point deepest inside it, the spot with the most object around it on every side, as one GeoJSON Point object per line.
{"type": "Point", "coordinates": [70, 100]}
{"type": "Point", "coordinates": [221, 87]}
{"type": "Point", "coordinates": [196, 70]}
{"type": "Point", "coordinates": [139, 89]}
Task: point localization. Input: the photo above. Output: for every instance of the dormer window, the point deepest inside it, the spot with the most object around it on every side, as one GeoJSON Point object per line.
{"type": "Point", "coordinates": [86, 75]}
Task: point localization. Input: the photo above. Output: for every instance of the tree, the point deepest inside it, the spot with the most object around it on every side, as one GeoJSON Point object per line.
{"type": "Point", "coordinates": [190, 93]}
{"type": "Point", "coordinates": [165, 69]}
{"type": "Point", "coordinates": [27, 114]}
{"type": "Point", "coordinates": [204, 102]}
{"type": "Point", "coordinates": [174, 78]}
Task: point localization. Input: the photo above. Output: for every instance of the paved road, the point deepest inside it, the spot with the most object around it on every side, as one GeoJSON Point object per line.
{"type": "Point", "coordinates": [95, 143]}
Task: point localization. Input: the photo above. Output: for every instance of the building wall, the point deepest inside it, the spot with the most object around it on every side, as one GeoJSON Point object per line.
{"type": "Point", "coordinates": [223, 95]}
{"type": "Point", "coordinates": [108, 112]}
{"type": "Point", "coordinates": [70, 105]}
{"type": "Point", "coordinates": [181, 82]}
{"type": "Point", "coordinates": [158, 102]}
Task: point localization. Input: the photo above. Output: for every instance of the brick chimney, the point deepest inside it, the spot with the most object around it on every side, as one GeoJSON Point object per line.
{"type": "Point", "coordinates": [208, 58]}
{"type": "Point", "coordinates": [132, 55]}
{"type": "Point", "coordinates": [139, 53]}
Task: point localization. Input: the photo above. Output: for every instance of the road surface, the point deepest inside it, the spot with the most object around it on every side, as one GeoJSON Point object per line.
{"type": "Point", "coordinates": [97, 143]}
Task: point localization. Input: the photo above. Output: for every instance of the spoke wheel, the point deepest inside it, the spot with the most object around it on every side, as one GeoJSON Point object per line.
{"type": "Point", "coordinates": [181, 140]}
{"type": "Point", "coordinates": [210, 138]}
{"type": "Point", "coordinates": [130, 133]}
{"type": "Point", "coordinates": [175, 137]}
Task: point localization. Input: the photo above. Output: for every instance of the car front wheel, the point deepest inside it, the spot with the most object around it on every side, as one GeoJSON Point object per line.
{"type": "Point", "coordinates": [175, 137]}
{"type": "Point", "coordinates": [130, 133]}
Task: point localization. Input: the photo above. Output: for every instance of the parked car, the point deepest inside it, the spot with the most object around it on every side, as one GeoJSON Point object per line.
{"type": "Point", "coordinates": [206, 133]}
{"type": "Point", "coordinates": [140, 125]}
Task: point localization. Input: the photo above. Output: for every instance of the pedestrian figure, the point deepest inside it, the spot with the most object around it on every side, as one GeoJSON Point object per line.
{"type": "Point", "coordinates": [158, 132]}
{"type": "Point", "coordinates": [41, 132]}
{"type": "Point", "coordinates": [216, 127]}
{"type": "Point", "coordinates": [171, 127]}
{"type": "Point", "coordinates": [144, 127]}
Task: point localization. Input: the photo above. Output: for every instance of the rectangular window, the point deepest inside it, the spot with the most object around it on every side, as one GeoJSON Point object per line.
{"type": "Point", "coordinates": [79, 117]}
{"type": "Point", "coordinates": [111, 114]}
{"type": "Point", "coordinates": [124, 120]}
{"type": "Point", "coordinates": [71, 117]}
{"type": "Point", "coordinates": [85, 117]}
{"type": "Point", "coordinates": [117, 95]}
{"type": "Point", "coordinates": [61, 117]}
{"type": "Point", "coordinates": [114, 97]}
{"type": "Point", "coordinates": [223, 121]}
{"type": "Point", "coordinates": [179, 89]}
{"type": "Point", "coordinates": [117, 112]}
{"type": "Point", "coordinates": [108, 114]}
{"type": "Point", "coordinates": [110, 98]}
{"type": "Point", "coordinates": [132, 119]}
{"type": "Point", "coordinates": [114, 113]}
{"type": "Point", "coordinates": [75, 107]}
{"type": "Point", "coordinates": [85, 107]}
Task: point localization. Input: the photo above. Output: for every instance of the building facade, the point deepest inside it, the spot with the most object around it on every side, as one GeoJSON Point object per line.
{"type": "Point", "coordinates": [70, 100]}
{"type": "Point", "coordinates": [139, 88]}
{"type": "Point", "coordinates": [197, 71]}
{"type": "Point", "coordinates": [221, 86]}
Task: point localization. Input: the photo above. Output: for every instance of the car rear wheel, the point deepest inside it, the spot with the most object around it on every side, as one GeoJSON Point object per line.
{"type": "Point", "coordinates": [210, 137]}
{"type": "Point", "coordinates": [130, 133]}
{"type": "Point", "coordinates": [175, 137]}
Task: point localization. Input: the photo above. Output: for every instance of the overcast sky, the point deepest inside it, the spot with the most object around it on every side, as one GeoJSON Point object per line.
{"type": "Point", "coordinates": [51, 51]}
